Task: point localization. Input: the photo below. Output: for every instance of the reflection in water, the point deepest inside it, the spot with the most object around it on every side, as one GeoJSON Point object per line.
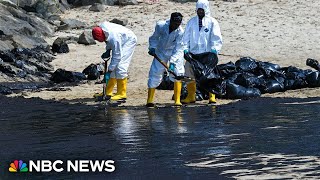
{"type": "Point", "coordinates": [258, 138]}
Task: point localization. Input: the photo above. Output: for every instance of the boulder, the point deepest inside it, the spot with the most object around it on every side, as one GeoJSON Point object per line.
{"type": "Point", "coordinates": [68, 24]}
{"type": "Point", "coordinates": [122, 22]}
{"type": "Point", "coordinates": [86, 38]}
{"type": "Point", "coordinates": [97, 8]}
{"type": "Point", "coordinates": [60, 46]}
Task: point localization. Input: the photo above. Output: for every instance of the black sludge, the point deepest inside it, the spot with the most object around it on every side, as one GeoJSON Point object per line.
{"type": "Point", "coordinates": [235, 91]}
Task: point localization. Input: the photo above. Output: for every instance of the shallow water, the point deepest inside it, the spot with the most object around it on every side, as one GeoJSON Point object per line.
{"type": "Point", "coordinates": [254, 139]}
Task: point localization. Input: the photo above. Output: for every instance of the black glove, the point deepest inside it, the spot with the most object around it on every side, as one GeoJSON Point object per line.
{"type": "Point", "coordinates": [106, 54]}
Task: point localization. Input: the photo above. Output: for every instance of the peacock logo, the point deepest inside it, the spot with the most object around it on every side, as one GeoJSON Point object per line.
{"type": "Point", "coordinates": [18, 166]}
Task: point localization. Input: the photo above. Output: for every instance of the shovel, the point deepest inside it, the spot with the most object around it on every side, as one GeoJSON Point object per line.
{"type": "Point", "coordinates": [104, 97]}
{"type": "Point", "coordinates": [175, 76]}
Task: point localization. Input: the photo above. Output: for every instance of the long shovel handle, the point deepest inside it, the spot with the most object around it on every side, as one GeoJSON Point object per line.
{"type": "Point", "coordinates": [180, 78]}
{"type": "Point", "coordinates": [104, 81]}
{"type": "Point", "coordinates": [165, 65]}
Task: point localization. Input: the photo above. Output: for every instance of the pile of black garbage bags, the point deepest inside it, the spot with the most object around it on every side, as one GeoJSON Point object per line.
{"type": "Point", "coordinates": [247, 78]}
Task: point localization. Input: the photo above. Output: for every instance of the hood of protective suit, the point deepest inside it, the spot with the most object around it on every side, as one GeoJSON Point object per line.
{"type": "Point", "coordinates": [203, 4]}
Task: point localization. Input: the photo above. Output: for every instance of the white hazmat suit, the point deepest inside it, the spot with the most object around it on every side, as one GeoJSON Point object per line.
{"type": "Point", "coordinates": [197, 41]}
{"type": "Point", "coordinates": [168, 47]}
{"type": "Point", "coordinates": [122, 42]}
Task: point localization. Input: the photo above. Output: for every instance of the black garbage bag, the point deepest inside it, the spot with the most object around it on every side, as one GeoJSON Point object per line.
{"type": "Point", "coordinates": [166, 83]}
{"type": "Point", "coordinates": [93, 71]}
{"type": "Point", "coordinates": [201, 95]}
{"type": "Point", "coordinates": [206, 72]}
{"type": "Point", "coordinates": [313, 79]}
{"type": "Point", "coordinates": [61, 75]}
{"type": "Point", "coordinates": [227, 70]}
{"type": "Point", "coordinates": [295, 84]}
{"type": "Point", "coordinates": [295, 78]}
{"type": "Point", "coordinates": [269, 70]}
{"type": "Point", "coordinates": [246, 64]}
{"type": "Point", "coordinates": [313, 63]}
{"type": "Point", "coordinates": [274, 85]}
{"type": "Point", "coordinates": [235, 91]}
{"type": "Point", "coordinates": [250, 80]}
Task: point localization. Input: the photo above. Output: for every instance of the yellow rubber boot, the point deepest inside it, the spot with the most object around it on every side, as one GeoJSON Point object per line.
{"type": "Point", "coordinates": [177, 93]}
{"type": "Point", "coordinates": [212, 98]}
{"type": "Point", "coordinates": [121, 90]}
{"type": "Point", "coordinates": [151, 92]}
{"type": "Point", "coordinates": [191, 97]}
{"type": "Point", "coordinates": [111, 83]}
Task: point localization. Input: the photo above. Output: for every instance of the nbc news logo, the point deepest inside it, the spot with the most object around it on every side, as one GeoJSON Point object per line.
{"type": "Point", "coordinates": [58, 166]}
{"type": "Point", "coordinates": [18, 166]}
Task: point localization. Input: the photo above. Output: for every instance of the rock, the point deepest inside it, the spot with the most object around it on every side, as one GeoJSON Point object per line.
{"type": "Point", "coordinates": [5, 45]}
{"type": "Point", "coordinates": [127, 2]}
{"type": "Point", "coordinates": [49, 7]}
{"type": "Point", "coordinates": [71, 24]}
{"type": "Point", "coordinates": [7, 56]}
{"type": "Point", "coordinates": [97, 7]}
{"type": "Point", "coordinates": [41, 66]}
{"type": "Point", "coordinates": [60, 46]}
{"type": "Point", "coordinates": [8, 69]}
{"type": "Point", "coordinates": [91, 2]}
{"type": "Point", "coordinates": [5, 90]}
{"type": "Point", "coordinates": [28, 42]}
{"type": "Point", "coordinates": [86, 38]}
{"type": "Point", "coordinates": [122, 22]}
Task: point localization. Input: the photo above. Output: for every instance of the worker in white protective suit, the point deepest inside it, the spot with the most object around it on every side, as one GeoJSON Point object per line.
{"type": "Point", "coordinates": [202, 34]}
{"type": "Point", "coordinates": [166, 43]}
{"type": "Point", "coordinates": [121, 42]}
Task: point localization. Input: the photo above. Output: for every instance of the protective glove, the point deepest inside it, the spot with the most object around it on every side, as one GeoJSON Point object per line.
{"type": "Point", "coordinates": [107, 77]}
{"type": "Point", "coordinates": [152, 51]}
{"type": "Point", "coordinates": [172, 66]}
{"type": "Point", "coordinates": [187, 56]}
{"type": "Point", "coordinates": [214, 51]}
{"type": "Point", "coordinates": [106, 54]}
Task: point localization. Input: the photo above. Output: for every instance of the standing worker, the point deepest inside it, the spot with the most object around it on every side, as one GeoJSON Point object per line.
{"type": "Point", "coordinates": [121, 41]}
{"type": "Point", "coordinates": [166, 43]}
{"type": "Point", "coordinates": [202, 35]}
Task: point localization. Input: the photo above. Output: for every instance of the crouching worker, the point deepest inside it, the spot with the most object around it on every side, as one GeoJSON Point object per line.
{"type": "Point", "coordinates": [202, 35]}
{"type": "Point", "coordinates": [166, 43]}
{"type": "Point", "coordinates": [120, 45]}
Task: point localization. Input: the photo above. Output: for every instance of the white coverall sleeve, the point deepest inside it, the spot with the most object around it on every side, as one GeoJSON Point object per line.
{"type": "Point", "coordinates": [154, 39]}
{"type": "Point", "coordinates": [177, 51]}
{"type": "Point", "coordinates": [216, 38]}
{"type": "Point", "coordinates": [116, 54]}
{"type": "Point", "coordinates": [186, 36]}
